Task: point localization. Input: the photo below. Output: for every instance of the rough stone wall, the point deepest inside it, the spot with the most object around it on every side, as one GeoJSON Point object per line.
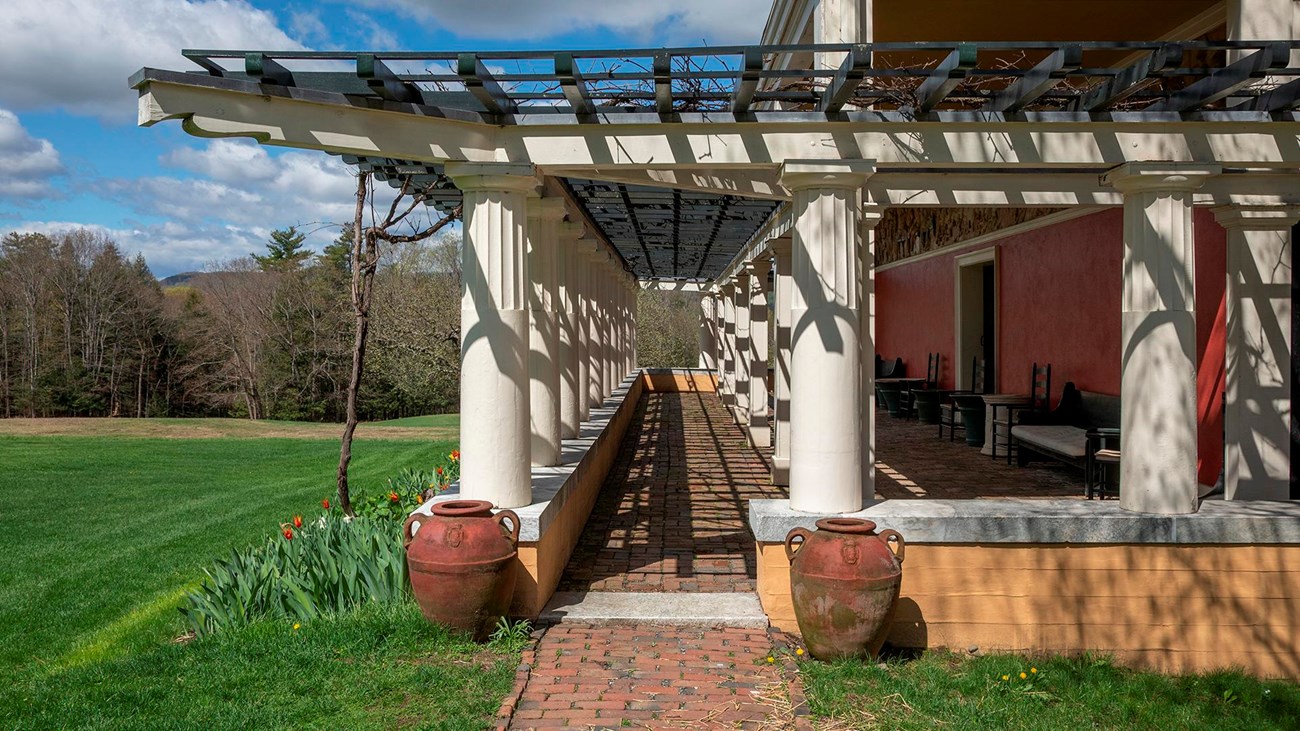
{"type": "Point", "coordinates": [908, 232]}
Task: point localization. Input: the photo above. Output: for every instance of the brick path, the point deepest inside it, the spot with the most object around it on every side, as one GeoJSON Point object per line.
{"type": "Point", "coordinates": [588, 677]}
{"type": "Point", "coordinates": [911, 459]}
{"type": "Point", "coordinates": [672, 515]}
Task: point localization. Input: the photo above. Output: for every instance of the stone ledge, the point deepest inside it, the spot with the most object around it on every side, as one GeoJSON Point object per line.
{"type": "Point", "coordinates": [552, 487]}
{"type": "Point", "coordinates": [677, 609]}
{"type": "Point", "coordinates": [1019, 520]}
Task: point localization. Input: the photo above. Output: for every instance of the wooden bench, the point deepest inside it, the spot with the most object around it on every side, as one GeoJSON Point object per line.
{"type": "Point", "coordinates": [1063, 433]}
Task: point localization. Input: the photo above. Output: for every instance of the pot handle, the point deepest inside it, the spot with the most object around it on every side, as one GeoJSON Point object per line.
{"type": "Point", "coordinates": [411, 520]}
{"type": "Point", "coordinates": [889, 535]}
{"type": "Point", "coordinates": [802, 534]}
{"type": "Point", "coordinates": [513, 531]}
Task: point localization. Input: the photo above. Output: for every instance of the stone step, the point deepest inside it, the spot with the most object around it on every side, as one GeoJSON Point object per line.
{"type": "Point", "coordinates": [696, 609]}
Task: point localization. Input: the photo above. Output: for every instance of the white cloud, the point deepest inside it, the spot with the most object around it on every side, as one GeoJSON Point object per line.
{"type": "Point", "coordinates": [679, 21]}
{"type": "Point", "coordinates": [27, 163]}
{"type": "Point", "coordinates": [168, 248]}
{"type": "Point", "coordinates": [77, 55]}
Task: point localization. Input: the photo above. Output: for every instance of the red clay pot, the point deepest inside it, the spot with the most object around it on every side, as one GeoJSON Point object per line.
{"type": "Point", "coordinates": [844, 580]}
{"type": "Point", "coordinates": [462, 564]}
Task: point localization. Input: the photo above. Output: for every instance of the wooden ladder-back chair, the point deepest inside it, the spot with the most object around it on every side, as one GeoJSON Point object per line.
{"type": "Point", "coordinates": [1040, 401]}
{"type": "Point", "coordinates": [931, 382]}
{"type": "Point", "coordinates": [949, 415]}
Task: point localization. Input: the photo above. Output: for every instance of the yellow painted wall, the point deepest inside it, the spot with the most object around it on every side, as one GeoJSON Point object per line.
{"type": "Point", "coordinates": [680, 382]}
{"type": "Point", "coordinates": [1172, 608]}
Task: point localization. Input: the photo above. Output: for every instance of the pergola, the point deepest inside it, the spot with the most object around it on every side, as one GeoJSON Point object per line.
{"type": "Point", "coordinates": [708, 167]}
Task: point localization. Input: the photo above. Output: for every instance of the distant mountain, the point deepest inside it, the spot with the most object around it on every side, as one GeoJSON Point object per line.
{"type": "Point", "coordinates": [176, 280]}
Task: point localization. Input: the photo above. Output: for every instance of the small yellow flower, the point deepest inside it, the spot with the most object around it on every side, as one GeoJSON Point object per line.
{"type": "Point", "coordinates": [799, 651]}
{"type": "Point", "coordinates": [771, 659]}
{"type": "Point", "coordinates": [1023, 676]}
{"type": "Point", "coordinates": [1006, 677]}
{"type": "Point", "coordinates": [296, 626]}
{"type": "Point", "coordinates": [1033, 670]}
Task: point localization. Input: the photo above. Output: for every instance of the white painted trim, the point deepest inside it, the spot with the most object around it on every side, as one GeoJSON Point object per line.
{"type": "Point", "coordinates": [1002, 233]}
{"type": "Point", "coordinates": [983, 256]}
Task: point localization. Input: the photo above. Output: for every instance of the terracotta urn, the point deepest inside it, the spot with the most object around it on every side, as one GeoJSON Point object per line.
{"type": "Point", "coordinates": [462, 564]}
{"type": "Point", "coordinates": [844, 580]}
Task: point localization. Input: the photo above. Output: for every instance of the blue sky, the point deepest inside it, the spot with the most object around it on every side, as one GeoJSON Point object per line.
{"type": "Point", "coordinates": [71, 154]}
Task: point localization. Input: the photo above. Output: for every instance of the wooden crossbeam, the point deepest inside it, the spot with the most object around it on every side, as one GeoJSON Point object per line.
{"type": "Point", "coordinates": [1279, 99]}
{"type": "Point", "coordinates": [573, 86]}
{"type": "Point", "coordinates": [479, 82]}
{"type": "Point", "coordinates": [384, 82]}
{"type": "Point", "coordinates": [1038, 80]}
{"type": "Point", "coordinates": [663, 73]}
{"type": "Point", "coordinates": [1128, 81]}
{"type": "Point", "coordinates": [857, 63]}
{"type": "Point", "coordinates": [1225, 81]}
{"type": "Point", "coordinates": [946, 76]}
{"type": "Point", "coordinates": [267, 70]}
{"type": "Point", "coordinates": [751, 71]}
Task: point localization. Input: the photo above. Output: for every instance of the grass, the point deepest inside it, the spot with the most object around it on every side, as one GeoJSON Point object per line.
{"type": "Point", "coordinates": [100, 536]}
{"type": "Point", "coordinates": [434, 421]}
{"type": "Point", "coordinates": [954, 691]}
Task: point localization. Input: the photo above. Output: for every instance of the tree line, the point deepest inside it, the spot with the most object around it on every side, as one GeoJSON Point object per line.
{"type": "Point", "coordinates": [86, 330]}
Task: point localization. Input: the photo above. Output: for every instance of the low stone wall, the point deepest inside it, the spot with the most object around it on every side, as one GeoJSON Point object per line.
{"type": "Point", "coordinates": [1216, 590]}
{"type": "Point", "coordinates": [679, 380]}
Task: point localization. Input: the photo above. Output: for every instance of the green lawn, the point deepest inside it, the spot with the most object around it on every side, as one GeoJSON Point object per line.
{"type": "Point", "coordinates": [950, 691]}
{"type": "Point", "coordinates": [438, 421]}
{"type": "Point", "coordinates": [99, 536]}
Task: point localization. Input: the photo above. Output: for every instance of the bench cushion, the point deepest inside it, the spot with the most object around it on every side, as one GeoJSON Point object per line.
{"type": "Point", "coordinates": [1070, 441]}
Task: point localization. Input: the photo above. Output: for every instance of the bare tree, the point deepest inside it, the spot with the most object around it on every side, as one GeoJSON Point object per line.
{"type": "Point", "coordinates": [365, 261]}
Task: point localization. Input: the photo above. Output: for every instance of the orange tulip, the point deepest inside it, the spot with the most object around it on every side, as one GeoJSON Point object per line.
{"type": "Point", "coordinates": [288, 534]}
{"type": "Point", "coordinates": [297, 521]}
{"type": "Point", "coordinates": [325, 503]}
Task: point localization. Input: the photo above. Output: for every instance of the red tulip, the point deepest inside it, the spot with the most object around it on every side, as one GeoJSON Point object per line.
{"type": "Point", "coordinates": [440, 471]}
{"type": "Point", "coordinates": [325, 503]}
{"type": "Point", "coordinates": [297, 521]}
{"type": "Point", "coordinates": [288, 534]}
{"type": "Point", "coordinates": [394, 497]}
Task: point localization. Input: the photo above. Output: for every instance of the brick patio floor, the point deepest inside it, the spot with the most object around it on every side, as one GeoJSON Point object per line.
{"type": "Point", "coordinates": [587, 677]}
{"type": "Point", "coordinates": [672, 515]}
{"type": "Point", "coordinates": [912, 462]}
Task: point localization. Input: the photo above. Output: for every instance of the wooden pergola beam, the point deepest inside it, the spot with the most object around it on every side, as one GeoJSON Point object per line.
{"type": "Point", "coordinates": [1038, 80]}
{"type": "Point", "coordinates": [947, 76]}
{"type": "Point", "coordinates": [267, 70]}
{"type": "Point", "coordinates": [573, 86]}
{"type": "Point", "coordinates": [663, 73]}
{"type": "Point", "coordinates": [842, 89]}
{"type": "Point", "coordinates": [1226, 81]}
{"type": "Point", "coordinates": [384, 81]}
{"type": "Point", "coordinates": [479, 82]}
{"type": "Point", "coordinates": [1128, 81]}
{"type": "Point", "coordinates": [751, 71]}
{"type": "Point", "coordinates": [1277, 99]}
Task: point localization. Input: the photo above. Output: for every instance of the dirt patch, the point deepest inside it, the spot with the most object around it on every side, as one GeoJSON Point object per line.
{"type": "Point", "coordinates": [212, 429]}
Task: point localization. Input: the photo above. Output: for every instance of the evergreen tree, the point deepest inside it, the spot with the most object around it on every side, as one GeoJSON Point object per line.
{"type": "Point", "coordinates": [285, 250]}
{"type": "Point", "coordinates": [337, 256]}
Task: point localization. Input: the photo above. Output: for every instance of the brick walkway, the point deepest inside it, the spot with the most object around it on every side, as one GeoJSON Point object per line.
{"type": "Point", "coordinates": [588, 677]}
{"type": "Point", "coordinates": [672, 515]}
{"type": "Point", "coordinates": [912, 462]}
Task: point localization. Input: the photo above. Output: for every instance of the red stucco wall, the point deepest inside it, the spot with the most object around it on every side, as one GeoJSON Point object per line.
{"type": "Point", "coordinates": [1059, 303]}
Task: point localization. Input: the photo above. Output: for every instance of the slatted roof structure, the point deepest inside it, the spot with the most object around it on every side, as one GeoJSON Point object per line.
{"type": "Point", "coordinates": [663, 233]}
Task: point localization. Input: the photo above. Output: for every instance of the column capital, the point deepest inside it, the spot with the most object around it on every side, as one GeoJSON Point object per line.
{"type": "Point", "coordinates": [758, 268]}
{"type": "Point", "coordinates": [1138, 177]}
{"type": "Point", "coordinates": [509, 176]}
{"type": "Point", "coordinates": [805, 174]}
{"type": "Point", "coordinates": [1259, 218]}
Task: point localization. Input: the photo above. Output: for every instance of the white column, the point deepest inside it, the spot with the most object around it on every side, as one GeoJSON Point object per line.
{"type": "Point", "coordinates": [494, 424]}
{"type": "Point", "coordinates": [634, 304]}
{"type": "Point", "coordinates": [760, 431]}
{"type": "Point", "coordinates": [781, 422]}
{"type": "Point", "coordinates": [568, 304]}
{"type": "Point", "coordinates": [825, 428]}
{"type": "Point", "coordinates": [612, 375]}
{"type": "Point", "coordinates": [1158, 337]}
{"type": "Point", "coordinates": [871, 214]}
{"type": "Point", "coordinates": [744, 363]}
{"type": "Point", "coordinates": [708, 333]}
{"type": "Point", "coordinates": [727, 382]}
{"type": "Point", "coordinates": [582, 268]}
{"type": "Point", "coordinates": [595, 321]}
{"type": "Point", "coordinates": [544, 330]}
{"type": "Point", "coordinates": [840, 21]}
{"type": "Point", "coordinates": [1257, 417]}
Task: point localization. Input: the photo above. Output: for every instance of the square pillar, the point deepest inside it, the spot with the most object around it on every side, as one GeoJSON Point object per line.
{"type": "Point", "coordinates": [744, 363]}
{"type": "Point", "coordinates": [595, 324]}
{"type": "Point", "coordinates": [708, 332]}
{"type": "Point", "coordinates": [781, 412]}
{"type": "Point", "coordinates": [494, 385]}
{"type": "Point", "coordinates": [727, 379]}
{"type": "Point", "coordinates": [1257, 415]}
{"type": "Point", "coordinates": [1158, 330]}
{"type": "Point", "coordinates": [825, 424]}
{"type": "Point", "coordinates": [760, 432]}
{"type": "Point", "coordinates": [871, 215]}
{"type": "Point", "coordinates": [544, 330]}
{"type": "Point", "coordinates": [582, 321]}
{"type": "Point", "coordinates": [569, 304]}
